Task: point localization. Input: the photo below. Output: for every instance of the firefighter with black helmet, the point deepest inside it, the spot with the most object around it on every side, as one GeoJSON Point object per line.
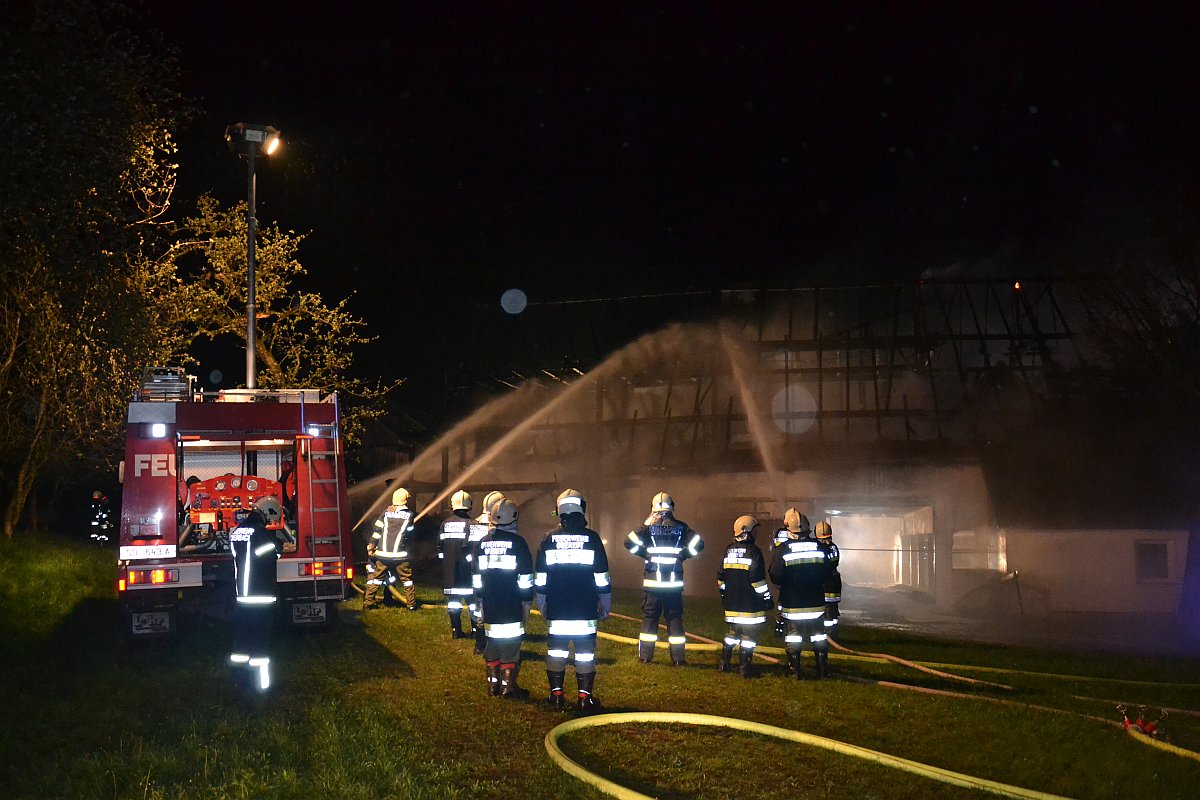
{"type": "Point", "coordinates": [454, 544]}
{"type": "Point", "coordinates": [573, 589]}
{"type": "Point", "coordinates": [742, 581]}
{"type": "Point", "coordinates": [390, 556]}
{"type": "Point", "coordinates": [665, 543]}
{"type": "Point", "coordinates": [256, 544]}
{"type": "Point", "coordinates": [502, 574]}
{"type": "Point", "coordinates": [800, 567]}
{"type": "Point", "coordinates": [833, 586]}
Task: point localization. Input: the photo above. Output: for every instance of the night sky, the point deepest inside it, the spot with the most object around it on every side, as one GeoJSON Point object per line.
{"type": "Point", "coordinates": [442, 152]}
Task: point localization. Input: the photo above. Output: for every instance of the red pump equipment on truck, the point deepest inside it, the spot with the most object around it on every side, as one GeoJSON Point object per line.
{"type": "Point", "coordinates": [234, 447]}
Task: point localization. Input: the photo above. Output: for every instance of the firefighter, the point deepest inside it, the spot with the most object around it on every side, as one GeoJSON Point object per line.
{"type": "Point", "coordinates": [800, 567]}
{"type": "Point", "coordinates": [665, 543]}
{"type": "Point", "coordinates": [502, 574]}
{"type": "Point", "coordinates": [101, 518]}
{"type": "Point", "coordinates": [479, 529]}
{"type": "Point", "coordinates": [779, 538]}
{"type": "Point", "coordinates": [573, 589]}
{"type": "Point", "coordinates": [742, 580]}
{"type": "Point", "coordinates": [388, 550]}
{"type": "Point", "coordinates": [454, 551]}
{"type": "Point", "coordinates": [833, 586]}
{"type": "Point", "coordinates": [256, 544]}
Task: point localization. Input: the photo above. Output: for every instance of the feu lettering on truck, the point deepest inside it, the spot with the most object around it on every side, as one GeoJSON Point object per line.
{"type": "Point", "coordinates": [156, 465]}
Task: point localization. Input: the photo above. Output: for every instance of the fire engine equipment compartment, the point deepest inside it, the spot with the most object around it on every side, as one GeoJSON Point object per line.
{"type": "Point", "coordinates": [234, 448]}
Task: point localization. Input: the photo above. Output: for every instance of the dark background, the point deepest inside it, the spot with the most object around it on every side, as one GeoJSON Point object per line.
{"type": "Point", "coordinates": [440, 153]}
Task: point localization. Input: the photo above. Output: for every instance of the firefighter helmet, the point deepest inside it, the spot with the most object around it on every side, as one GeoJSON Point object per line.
{"type": "Point", "coordinates": [662, 502]}
{"type": "Point", "coordinates": [460, 501]}
{"type": "Point", "coordinates": [744, 526]}
{"type": "Point", "coordinates": [270, 509]}
{"type": "Point", "coordinates": [796, 522]}
{"type": "Point", "coordinates": [571, 502]}
{"type": "Point", "coordinates": [823, 530]}
{"type": "Point", "coordinates": [400, 497]}
{"type": "Point", "coordinates": [502, 512]}
{"type": "Point", "coordinates": [490, 498]}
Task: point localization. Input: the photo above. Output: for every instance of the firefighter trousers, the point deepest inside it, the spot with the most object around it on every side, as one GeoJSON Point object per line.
{"type": "Point", "coordinates": [668, 605]}
{"type": "Point", "coordinates": [558, 651]}
{"type": "Point", "coordinates": [389, 573]}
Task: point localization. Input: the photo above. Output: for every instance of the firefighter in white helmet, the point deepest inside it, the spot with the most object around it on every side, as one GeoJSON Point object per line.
{"type": "Point", "coordinates": [479, 529]}
{"type": "Point", "coordinates": [454, 544]}
{"type": "Point", "coordinates": [833, 586]}
{"type": "Point", "coordinates": [800, 567]}
{"type": "Point", "coordinates": [256, 543]}
{"type": "Point", "coordinates": [665, 543]}
{"type": "Point", "coordinates": [573, 588]}
{"type": "Point", "coordinates": [502, 574]}
{"type": "Point", "coordinates": [390, 555]}
{"type": "Point", "coordinates": [742, 581]}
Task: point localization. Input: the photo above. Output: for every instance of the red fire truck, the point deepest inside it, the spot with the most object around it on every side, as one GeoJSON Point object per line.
{"type": "Point", "coordinates": [196, 461]}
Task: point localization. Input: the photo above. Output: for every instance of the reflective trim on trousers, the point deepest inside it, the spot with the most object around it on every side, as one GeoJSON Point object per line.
{"type": "Point", "coordinates": [648, 637]}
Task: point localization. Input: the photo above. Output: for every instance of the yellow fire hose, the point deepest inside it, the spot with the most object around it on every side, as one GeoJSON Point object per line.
{"type": "Point", "coordinates": [673, 718]}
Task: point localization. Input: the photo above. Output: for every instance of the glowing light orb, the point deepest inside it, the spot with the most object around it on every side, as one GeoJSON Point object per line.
{"type": "Point", "coordinates": [794, 409]}
{"type": "Point", "coordinates": [513, 301]}
{"type": "Point", "coordinates": [215, 377]}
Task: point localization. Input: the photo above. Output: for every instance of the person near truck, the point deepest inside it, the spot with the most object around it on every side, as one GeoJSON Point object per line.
{"type": "Point", "coordinates": [256, 543]}
{"type": "Point", "coordinates": [388, 552]}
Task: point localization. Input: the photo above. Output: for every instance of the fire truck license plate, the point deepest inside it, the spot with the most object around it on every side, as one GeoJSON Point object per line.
{"type": "Point", "coordinates": [151, 622]}
{"type": "Point", "coordinates": [303, 613]}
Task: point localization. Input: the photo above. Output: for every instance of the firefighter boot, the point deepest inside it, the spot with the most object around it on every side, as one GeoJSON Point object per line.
{"type": "Point", "coordinates": [793, 660]}
{"type": "Point", "coordinates": [509, 690]}
{"type": "Point", "coordinates": [493, 678]}
{"type": "Point", "coordinates": [726, 658]}
{"type": "Point", "coordinates": [744, 662]}
{"type": "Point", "coordinates": [587, 704]}
{"type": "Point", "coordinates": [556, 680]}
{"type": "Point", "coordinates": [822, 657]}
{"type": "Point", "coordinates": [480, 640]}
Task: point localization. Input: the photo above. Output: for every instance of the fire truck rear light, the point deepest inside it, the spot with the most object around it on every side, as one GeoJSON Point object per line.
{"type": "Point", "coordinates": [318, 569]}
{"type": "Point", "coordinates": [349, 573]}
{"type": "Point", "coordinates": [121, 585]}
{"type": "Point", "coordinates": [153, 576]}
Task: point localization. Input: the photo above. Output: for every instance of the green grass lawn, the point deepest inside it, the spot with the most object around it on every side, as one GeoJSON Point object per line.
{"type": "Point", "coordinates": [387, 705]}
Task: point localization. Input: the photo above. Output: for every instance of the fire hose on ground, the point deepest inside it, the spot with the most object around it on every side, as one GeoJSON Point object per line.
{"type": "Point", "coordinates": [673, 718]}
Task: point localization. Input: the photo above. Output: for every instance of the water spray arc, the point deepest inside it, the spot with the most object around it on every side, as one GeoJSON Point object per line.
{"type": "Point", "coordinates": [754, 420]}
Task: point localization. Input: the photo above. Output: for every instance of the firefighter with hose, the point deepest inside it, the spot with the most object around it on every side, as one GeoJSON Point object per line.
{"type": "Point", "coordinates": [388, 552]}
{"type": "Point", "coordinates": [833, 586]}
{"type": "Point", "coordinates": [800, 567]}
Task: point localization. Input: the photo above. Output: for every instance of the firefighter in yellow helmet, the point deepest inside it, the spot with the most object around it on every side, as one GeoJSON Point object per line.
{"type": "Point", "coordinates": [833, 586]}
{"type": "Point", "coordinates": [742, 581]}
{"type": "Point", "coordinates": [800, 567]}
{"type": "Point", "coordinates": [454, 543]}
{"type": "Point", "coordinates": [665, 543]}
{"type": "Point", "coordinates": [390, 555]}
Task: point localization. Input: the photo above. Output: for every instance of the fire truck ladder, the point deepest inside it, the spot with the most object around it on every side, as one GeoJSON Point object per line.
{"type": "Point", "coordinates": [324, 507]}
